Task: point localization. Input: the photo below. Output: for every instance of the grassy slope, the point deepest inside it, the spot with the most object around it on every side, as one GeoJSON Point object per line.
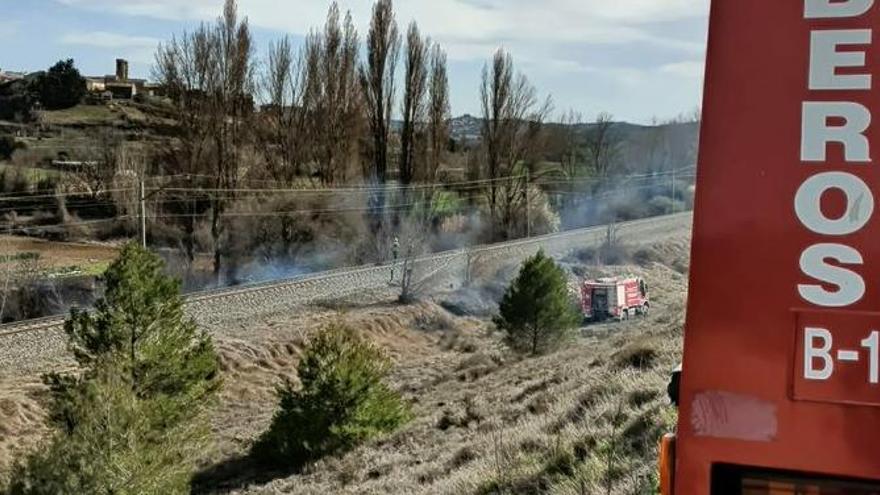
{"type": "Point", "coordinates": [487, 422]}
{"type": "Point", "coordinates": [490, 423]}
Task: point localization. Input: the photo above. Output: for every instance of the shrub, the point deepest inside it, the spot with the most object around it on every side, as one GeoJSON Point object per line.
{"type": "Point", "coordinates": [17, 100]}
{"type": "Point", "coordinates": [342, 402]}
{"type": "Point", "coordinates": [132, 421]}
{"type": "Point", "coordinates": [640, 355]}
{"type": "Point", "coordinates": [544, 220]}
{"type": "Point", "coordinates": [8, 145]}
{"type": "Point", "coordinates": [61, 86]}
{"type": "Point", "coordinates": [536, 312]}
{"type": "Point", "coordinates": [663, 205]}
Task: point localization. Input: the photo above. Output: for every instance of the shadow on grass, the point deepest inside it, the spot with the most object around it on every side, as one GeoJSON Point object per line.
{"type": "Point", "coordinates": [237, 473]}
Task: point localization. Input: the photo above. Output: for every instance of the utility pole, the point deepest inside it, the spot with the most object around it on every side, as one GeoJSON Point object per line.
{"type": "Point", "coordinates": [528, 205]}
{"type": "Point", "coordinates": [143, 212]}
{"type": "Point", "coordinates": [673, 190]}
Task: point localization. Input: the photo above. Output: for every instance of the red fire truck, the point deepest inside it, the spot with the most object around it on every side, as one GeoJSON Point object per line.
{"type": "Point", "coordinates": [617, 297]}
{"type": "Point", "coordinates": [780, 385]}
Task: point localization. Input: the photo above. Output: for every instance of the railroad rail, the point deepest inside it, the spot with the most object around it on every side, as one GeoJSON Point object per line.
{"type": "Point", "coordinates": [210, 300]}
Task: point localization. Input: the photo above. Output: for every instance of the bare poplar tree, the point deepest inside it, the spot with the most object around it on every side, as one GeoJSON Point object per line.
{"type": "Point", "coordinates": [512, 123]}
{"type": "Point", "coordinates": [603, 145]}
{"type": "Point", "coordinates": [377, 82]}
{"type": "Point", "coordinates": [413, 108]}
{"type": "Point", "coordinates": [572, 155]}
{"type": "Point", "coordinates": [233, 107]}
{"type": "Point", "coordinates": [438, 113]}
{"type": "Point", "coordinates": [286, 128]}
{"type": "Point", "coordinates": [336, 96]}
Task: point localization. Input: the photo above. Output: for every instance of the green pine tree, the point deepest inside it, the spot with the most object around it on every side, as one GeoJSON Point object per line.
{"type": "Point", "coordinates": [536, 312]}
{"type": "Point", "coordinates": [341, 402]}
{"type": "Point", "coordinates": [133, 420]}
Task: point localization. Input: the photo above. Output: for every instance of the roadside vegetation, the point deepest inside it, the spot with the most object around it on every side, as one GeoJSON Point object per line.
{"type": "Point", "coordinates": [340, 403]}
{"type": "Point", "coordinates": [133, 419]}
{"type": "Point", "coordinates": [537, 313]}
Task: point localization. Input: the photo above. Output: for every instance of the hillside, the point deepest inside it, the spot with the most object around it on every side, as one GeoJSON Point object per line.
{"type": "Point", "coordinates": [85, 132]}
{"type": "Point", "coordinates": [486, 420]}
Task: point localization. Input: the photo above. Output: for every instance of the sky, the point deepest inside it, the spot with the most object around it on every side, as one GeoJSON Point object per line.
{"type": "Point", "coordinates": [636, 59]}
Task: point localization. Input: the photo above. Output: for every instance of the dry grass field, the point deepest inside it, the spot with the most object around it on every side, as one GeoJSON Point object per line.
{"type": "Point", "coordinates": [54, 256]}
{"type": "Point", "coordinates": [581, 421]}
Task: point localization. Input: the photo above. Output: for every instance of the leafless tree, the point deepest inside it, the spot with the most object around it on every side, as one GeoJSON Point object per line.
{"type": "Point", "coordinates": [233, 108]}
{"type": "Point", "coordinates": [603, 145]}
{"type": "Point", "coordinates": [415, 278]}
{"type": "Point", "coordinates": [286, 129]}
{"type": "Point", "coordinates": [183, 67]}
{"type": "Point", "coordinates": [377, 81]}
{"type": "Point", "coordinates": [568, 146]}
{"type": "Point", "coordinates": [438, 113]}
{"type": "Point", "coordinates": [512, 123]}
{"type": "Point", "coordinates": [96, 166]}
{"type": "Point", "coordinates": [413, 108]}
{"type": "Point", "coordinates": [209, 74]}
{"type": "Point", "coordinates": [334, 100]}
{"type": "Point", "coordinates": [20, 275]}
{"type": "Point", "coordinates": [572, 152]}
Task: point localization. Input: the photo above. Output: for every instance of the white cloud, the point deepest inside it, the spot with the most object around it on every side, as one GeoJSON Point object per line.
{"type": "Point", "coordinates": [690, 69]}
{"type": "Point", "coordinates": [626, 76]}
{"type": "Point", "coordinates": [134, 48]}
{"type": "Point", "coordinates": [455, 22]}
{"type": "Point", "coordinates": [103, 39]}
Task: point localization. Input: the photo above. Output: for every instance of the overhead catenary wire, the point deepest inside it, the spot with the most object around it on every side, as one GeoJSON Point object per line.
{"type": "Point", "coordinates": [387, 188]}
{"type": "Point", "coordinates": [464, 185]}
{"type": "Point", "coordinates": [323, 211]}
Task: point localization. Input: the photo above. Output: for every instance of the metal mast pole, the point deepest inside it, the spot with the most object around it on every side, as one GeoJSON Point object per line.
{"type": "Point", "coordinates": [528, 205]}
{"type": "Point", "coordinates": [143, 213]}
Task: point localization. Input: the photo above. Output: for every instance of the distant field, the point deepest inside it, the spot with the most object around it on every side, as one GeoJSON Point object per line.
{"type": "Point", "coordinates": [80, 115]}
{"type": "Point", "coordinates": [33, 175]}
{"type": "Point", "coordinates": [60, 258]}
{"type": "Point", "coordinates": [109, 114]}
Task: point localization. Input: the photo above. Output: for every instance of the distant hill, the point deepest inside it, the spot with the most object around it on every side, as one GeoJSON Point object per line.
{"type": "Point", "coordinates": [469, 128]}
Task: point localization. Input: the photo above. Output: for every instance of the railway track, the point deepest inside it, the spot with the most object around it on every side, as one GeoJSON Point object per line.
{"type": "Point", "coordinates": [214, 307]}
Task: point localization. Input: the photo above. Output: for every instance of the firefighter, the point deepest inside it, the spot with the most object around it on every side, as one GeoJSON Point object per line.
{"type": "Point", "coordinates": [395, 253]}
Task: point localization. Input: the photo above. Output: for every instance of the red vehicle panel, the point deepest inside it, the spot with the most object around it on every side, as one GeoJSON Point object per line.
{"type": "Point", "coordinates": [780, 344]}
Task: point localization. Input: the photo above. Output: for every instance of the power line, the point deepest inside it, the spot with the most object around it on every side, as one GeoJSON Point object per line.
{"type": "Point", "coordinates": [344, 189]}
{"type": "Point", "coordinates": [62, 195]}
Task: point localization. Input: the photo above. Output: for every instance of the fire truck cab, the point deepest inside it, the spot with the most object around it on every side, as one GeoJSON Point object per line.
{"type": "Point", "coordinates": [614, 298]}
{"type": "Point", "coordinates": [780, 384]}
